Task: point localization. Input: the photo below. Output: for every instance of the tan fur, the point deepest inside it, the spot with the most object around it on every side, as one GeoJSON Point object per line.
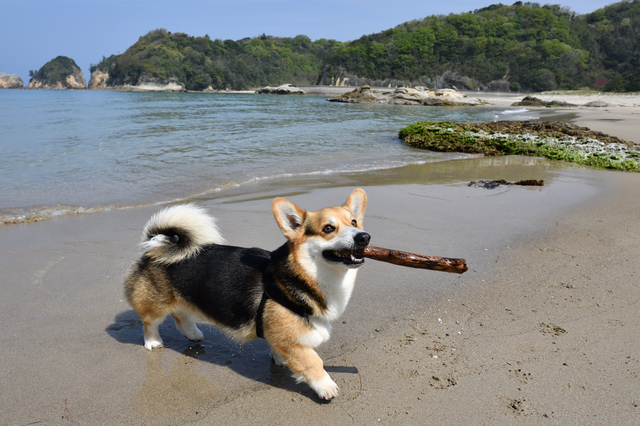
{"type": "Point", "coordinates": [283, 331]}
{"type": "Point", "coordinates": [149, 290]}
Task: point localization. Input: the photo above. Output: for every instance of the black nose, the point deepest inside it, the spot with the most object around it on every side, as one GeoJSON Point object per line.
{"type": "Point", "coordinates": [362, 239]}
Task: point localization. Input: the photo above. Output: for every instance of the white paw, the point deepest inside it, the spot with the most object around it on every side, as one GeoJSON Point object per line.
{"type": "Point", "coordinates": [325, 387]}
{"type": "Point", "coordinates": [195, 335]}
{"type": "Point", "coordinates": [153, 344]}
{"type": "Point", "coordinates": [189, 329]}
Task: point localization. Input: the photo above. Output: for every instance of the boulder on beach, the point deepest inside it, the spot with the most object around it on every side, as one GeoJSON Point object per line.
{"type": "Point", "coordinates": [532, 101]}
{"type": "Point", "coordinates": [408, 96]}
{"type": "Point", "coordinates": [596, 104]}
{"type": "Point", "coordinates": [58, 73]}
{"type": "Point", "coordinates": [284, 89]}
{"type": "Point", "coordinates": [10, 81]}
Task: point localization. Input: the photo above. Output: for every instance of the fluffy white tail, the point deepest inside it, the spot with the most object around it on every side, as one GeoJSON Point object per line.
{"type": "Point", "coordinates": [179, 232]}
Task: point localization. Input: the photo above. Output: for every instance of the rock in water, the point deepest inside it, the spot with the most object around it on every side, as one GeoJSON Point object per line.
{"type": "Point", "coordinates": [284, 89]}
{"type": "Point", "coordinates": [10, 81]}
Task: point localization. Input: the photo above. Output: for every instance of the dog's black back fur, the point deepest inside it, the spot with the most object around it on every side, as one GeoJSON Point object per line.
{"type": "Point", "coordinates": [215, 284]}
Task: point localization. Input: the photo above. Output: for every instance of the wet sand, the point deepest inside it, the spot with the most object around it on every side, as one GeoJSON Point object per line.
{"type": "Point", "coordinates": [542, 328]}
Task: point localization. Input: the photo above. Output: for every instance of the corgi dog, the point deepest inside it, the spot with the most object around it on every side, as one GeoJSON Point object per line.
{"type": "Point", "coordinates": [288, 296]}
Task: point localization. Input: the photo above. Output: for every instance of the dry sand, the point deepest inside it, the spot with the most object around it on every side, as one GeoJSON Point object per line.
{"type": "Point", "coordinates": [542, 329]}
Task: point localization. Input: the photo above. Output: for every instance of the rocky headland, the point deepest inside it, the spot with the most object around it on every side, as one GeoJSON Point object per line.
{"type": "Point", "coordinates": [408, 96]}
{"type": "Point", "coordinates": [10, 81]}
{"type": "Point", "coordinates": [59, 73]}
{"type": "Point", "coordinates": [98, 79]}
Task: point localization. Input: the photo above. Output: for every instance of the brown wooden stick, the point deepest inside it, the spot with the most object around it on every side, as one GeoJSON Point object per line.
{"type": "Point", "coordinates": [413, 260]}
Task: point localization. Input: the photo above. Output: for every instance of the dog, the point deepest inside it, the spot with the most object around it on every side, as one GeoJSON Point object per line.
{"type": "Point", "coordinates": [288, 296]}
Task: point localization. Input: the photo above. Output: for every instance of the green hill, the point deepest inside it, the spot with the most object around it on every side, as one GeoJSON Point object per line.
{"type": "Point", "coordinates": [529, 45]}
{"type": "Point", "coordinates": [200, 62]}
{"type": "Point", "coordinates": [57, 71]}
{"type": "Point", "coordinates": [524, 46]}
{"type": "Point", "coordinates": [533, 47]}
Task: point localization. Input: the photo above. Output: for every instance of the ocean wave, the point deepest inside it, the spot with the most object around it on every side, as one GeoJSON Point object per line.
{"type": "Point", "coordinates": [40, 213]}
{"type": "Point", "coordinates": [514, 111]}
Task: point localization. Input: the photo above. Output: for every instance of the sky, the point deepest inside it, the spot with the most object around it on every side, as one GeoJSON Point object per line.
{"type": "Point", "coordinates": [36, 31]}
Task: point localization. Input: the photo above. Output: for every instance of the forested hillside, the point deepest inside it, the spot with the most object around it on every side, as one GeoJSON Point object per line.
{"type": "Point", "coordinates": [524, 46]}
{"type": "Point", "coordinates": [533, 47]}
{"type": "Point", "coordinates": [199, 62]}
{"type": "Point", "coordinates": [612, 37]}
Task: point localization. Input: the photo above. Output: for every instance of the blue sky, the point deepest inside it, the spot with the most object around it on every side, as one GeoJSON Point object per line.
{"type": "Point", "coordinates": [35, 31]}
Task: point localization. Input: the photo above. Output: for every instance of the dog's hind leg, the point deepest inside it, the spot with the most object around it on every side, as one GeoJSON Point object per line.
{"type": "Point", "coordinates": [152, 339]}
{"type": "Point", "coordinates": [187, 326]}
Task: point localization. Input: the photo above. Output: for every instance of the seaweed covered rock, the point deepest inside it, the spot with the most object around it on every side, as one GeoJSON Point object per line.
{"type": "Point", "coordinates": [553, 139]}
{"type": "Point", "coordinates": [494, 183]}
{"type": "Point", "coordinates": [407, 96]}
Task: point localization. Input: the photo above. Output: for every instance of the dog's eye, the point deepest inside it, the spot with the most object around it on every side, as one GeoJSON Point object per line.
{"type": "Point", "coordinates": [354, 223]}
{"type": "Point", "coordinates": [328, 229]}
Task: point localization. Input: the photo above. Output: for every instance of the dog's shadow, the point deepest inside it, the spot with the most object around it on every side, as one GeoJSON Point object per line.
{"type": "Point", "coordinates": [251, 360]}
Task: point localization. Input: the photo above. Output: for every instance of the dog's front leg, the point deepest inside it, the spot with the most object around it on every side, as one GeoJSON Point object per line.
{"type": "Point", "coordinates": [307, 367]}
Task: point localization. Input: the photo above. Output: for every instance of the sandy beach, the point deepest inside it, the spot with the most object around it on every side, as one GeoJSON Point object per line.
{"type": "Point", "coordinates": [541, 330]}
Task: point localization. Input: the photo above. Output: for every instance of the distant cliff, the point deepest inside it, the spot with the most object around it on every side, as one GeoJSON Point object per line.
{"type": "Point", "coordinates": [98, 79]}
{"type": "Point", "coordinates": [10, 81]}
{"type": "Point", "coordinates": [58, 73]}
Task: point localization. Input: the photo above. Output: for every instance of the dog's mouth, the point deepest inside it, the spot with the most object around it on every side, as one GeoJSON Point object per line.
{"type": "Point", "coordinates": [348, 257]}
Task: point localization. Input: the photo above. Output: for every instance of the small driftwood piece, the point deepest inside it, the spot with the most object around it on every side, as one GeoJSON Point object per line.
{"type": "Point", "coordinates": [412, 260]}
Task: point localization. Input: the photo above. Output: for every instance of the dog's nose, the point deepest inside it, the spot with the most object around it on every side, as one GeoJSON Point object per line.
{"type": "Point", "coordinates": [362, 239]}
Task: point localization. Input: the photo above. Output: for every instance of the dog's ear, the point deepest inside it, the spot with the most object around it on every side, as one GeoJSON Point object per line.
{"type": "Point", "coordinates": [357, 204]}
{"type": "Point", "coordinates": [289, 216]}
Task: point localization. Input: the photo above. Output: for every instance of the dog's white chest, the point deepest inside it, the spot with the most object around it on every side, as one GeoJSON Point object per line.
{"type": "Point", "coordinates": [337, 292]}
{"type": "Point", "coordinates": [319, 334]}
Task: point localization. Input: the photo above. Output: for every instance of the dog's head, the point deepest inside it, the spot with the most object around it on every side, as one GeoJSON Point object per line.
{"type": "Point", "coordinates": [331, 237]}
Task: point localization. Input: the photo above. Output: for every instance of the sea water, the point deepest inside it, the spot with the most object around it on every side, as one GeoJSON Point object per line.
{"type": "Point", "coordinates": [70, 152]}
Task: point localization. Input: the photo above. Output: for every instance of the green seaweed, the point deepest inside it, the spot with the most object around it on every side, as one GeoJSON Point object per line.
{"type": "Point", "coordinates": [447, 136]}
